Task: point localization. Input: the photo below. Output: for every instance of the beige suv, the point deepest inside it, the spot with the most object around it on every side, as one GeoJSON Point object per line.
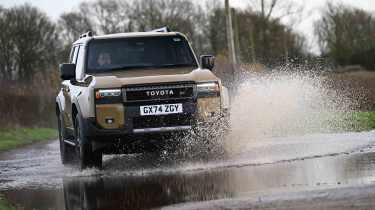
{"type": "Point", "coordinates": [122, 91]}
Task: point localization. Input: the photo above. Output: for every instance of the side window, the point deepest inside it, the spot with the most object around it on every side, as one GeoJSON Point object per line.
{"type": "Point", "coordinates": [73, 56]}
{"type": "Point", "coordinates": [80, 63]}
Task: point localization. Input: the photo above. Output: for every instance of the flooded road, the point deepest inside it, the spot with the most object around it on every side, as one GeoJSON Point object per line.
{"type": "Point", "coordinates": [295, 168]}
{"type": "Point", "coordinates": [272, 160]}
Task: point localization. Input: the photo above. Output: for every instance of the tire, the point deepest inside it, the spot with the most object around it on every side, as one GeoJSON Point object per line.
{"type": "Point", "coordinates": [66, 151]}
{"type": "Point", "coordinates": [97, 160]}
{"type": "Point", "coordinates": [87, 157]}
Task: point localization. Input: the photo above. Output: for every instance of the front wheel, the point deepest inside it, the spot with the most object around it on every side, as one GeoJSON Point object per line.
{"type": "Point", "coordinates": [87, 157]}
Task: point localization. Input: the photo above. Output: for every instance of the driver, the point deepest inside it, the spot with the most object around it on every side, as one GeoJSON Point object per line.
{"type": "Point", "coordinates": [104, 58]}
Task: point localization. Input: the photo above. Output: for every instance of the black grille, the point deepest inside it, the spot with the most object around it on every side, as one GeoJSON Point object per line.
{"type": "Point", "coordinates": [158, 92]}
{"type": "Point", "coordinates": [162, 121]}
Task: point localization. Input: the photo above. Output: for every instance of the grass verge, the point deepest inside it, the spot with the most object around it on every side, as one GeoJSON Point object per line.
{"type": "Point", "coordinates": [363, 120]}
{"type": "Point", "coordinates": [13, 138]}
{"type": "Point", "coordinates": [4, 205]}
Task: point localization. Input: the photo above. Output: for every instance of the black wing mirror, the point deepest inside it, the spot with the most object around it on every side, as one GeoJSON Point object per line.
{"type": "Point", "coordinates": [208, 62]}
{"type": "Point", "coordinates": [67, 71]}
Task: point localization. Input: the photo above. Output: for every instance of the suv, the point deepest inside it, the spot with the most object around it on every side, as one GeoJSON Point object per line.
{"type": "Point", "coordinates": [119, 89]}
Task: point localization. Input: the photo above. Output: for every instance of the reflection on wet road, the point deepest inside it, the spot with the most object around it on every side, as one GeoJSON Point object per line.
{"type": "Point", "coordinates": [33, 178]}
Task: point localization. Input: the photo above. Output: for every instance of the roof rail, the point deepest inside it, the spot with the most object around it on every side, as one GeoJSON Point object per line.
{"type": "Point", "coordinates": [87, 34]}
{"type": "Point", "coordinates": [165, 29]}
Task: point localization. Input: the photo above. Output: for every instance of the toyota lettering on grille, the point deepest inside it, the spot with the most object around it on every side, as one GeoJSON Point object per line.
{"type": "Point", "coordinates": [160, 93]}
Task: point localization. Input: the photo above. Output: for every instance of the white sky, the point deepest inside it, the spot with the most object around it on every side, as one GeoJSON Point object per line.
{"type": "Point", "coordinates": [312, 12]}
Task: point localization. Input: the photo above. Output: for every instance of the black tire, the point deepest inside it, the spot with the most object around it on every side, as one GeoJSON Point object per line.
{"type": "Point", "coordinates": [66, 151]}
{"type": "Point", "coordinates": [87, 157]}
{"type": "Point", "coordinates": [97, 159]}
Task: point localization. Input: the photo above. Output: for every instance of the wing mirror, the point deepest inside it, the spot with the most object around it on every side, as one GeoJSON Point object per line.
{"type": "Point", "coordinates": [67, 71]}
{"type": "Point", "coordinates": [208, 62]}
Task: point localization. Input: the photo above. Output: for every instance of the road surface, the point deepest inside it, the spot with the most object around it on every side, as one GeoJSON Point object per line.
{"type": "Point", "coordinates": [316, 171]}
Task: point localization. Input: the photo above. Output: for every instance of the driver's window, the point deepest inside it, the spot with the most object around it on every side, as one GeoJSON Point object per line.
{"type": "Point", "coordinates": [80, 63]}
{"type": "Point", "coordinates": [73, 56]}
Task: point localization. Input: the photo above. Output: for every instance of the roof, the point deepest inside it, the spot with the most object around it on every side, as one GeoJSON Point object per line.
{"type": "Point", "coordinates": [127, 35]}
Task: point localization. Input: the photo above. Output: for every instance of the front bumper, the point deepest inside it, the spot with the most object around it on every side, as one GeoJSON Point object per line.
{"type": "Point", "coordinates": [133, 123]}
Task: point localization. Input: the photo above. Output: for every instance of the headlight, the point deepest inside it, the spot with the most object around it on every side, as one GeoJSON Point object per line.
{"type": "Point", "coordinates": [208, 89]}
{"type": "Point", "coordinates": [107, 93]}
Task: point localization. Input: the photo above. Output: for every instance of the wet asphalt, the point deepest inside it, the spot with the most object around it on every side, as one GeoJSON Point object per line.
{"type": "Point", "coordinates": [320, 171]}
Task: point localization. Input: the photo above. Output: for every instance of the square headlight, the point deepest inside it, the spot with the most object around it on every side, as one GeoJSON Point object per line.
{"type": "Point", "coordinates": [107, 93]}
{"type": "Point", "coordinates": [208, 89]}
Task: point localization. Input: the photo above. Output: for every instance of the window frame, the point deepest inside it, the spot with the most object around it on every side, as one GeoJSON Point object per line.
{"type": "Point", "coordinates": [80, 64]}
{"type": "Point", "coordinates": [74, 54]}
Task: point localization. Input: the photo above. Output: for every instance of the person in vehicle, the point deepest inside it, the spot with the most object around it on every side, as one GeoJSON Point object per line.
{"type": "Point", "coordinates": [104, 59]}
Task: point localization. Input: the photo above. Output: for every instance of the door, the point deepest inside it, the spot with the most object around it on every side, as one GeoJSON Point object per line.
{"type": "Point", "coordinates": [66, 90]}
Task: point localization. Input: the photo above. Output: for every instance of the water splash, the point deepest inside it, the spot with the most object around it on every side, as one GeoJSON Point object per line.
{"type": "Point", "coordinates": [285, 104]}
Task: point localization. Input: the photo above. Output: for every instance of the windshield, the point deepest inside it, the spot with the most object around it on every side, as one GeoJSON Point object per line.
{"type": "Point", "coordinates": [145, 52]}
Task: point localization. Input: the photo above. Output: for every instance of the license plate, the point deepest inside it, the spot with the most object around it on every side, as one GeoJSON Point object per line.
{"type": "Point", "coordinates": [162, 109]}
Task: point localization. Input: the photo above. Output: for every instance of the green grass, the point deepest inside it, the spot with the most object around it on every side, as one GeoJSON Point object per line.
{"type": "Point", "coordinates": [4, 205]}
{"type": "Point", "coordinates": [364, 120]}
{"type": "Point", "coordinates": [13, 138]}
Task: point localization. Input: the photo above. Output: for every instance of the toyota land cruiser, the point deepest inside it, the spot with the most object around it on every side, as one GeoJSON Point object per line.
{"type": "Point", "coordinates": [117, 88]}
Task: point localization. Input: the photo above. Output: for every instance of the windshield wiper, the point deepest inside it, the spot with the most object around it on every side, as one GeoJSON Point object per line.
{"type": "Point", "coordinates": [125, 67]}
{"type": "Point", "coordinates": [176, 65]}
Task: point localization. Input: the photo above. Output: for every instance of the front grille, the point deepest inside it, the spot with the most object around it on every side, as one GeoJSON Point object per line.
{"type": "Point", "coordinates": [158, 92]}
{"type": "Point", "coordinates": [162, 121]}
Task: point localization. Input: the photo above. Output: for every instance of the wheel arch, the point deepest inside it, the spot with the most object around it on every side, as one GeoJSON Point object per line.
{"type": "Point", "coordinates": [58, 108]}
{"type": "Point", "coordinates": [76, 111]}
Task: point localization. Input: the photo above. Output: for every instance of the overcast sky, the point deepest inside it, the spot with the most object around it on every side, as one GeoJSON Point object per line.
{"type": "Point", "coordinates": [312, 12]}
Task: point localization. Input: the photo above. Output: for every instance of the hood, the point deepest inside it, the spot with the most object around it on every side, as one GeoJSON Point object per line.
{"type": "Point", "coordinates": [148, 76]}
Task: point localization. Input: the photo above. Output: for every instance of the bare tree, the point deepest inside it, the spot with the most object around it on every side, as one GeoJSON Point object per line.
{"type": "Point", "coordinates": [72, 24]}
{"type": "Point", "coordinates": [115, 16]}
{"type": "Point", "coordinates": [279, 10]}
{"type": "Point", "coordinates": [28, 40]}
{"type": "Point", "coordinates": [347, 35]}
{"type": "Point", "coordinates": [180, 15]}
{"type": "Point", "coordinates": [6, 53]}
{"type": "Point", "coordinates": [216, 32]}
{"type": "Point", "coordinates": [109, 16]}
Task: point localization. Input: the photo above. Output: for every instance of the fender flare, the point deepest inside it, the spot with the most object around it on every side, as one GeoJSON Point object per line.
{"type": "Point", "coordinates": [76, 104]}
{"type": "Point", "coordinates": [58, 103]}
{"type": "Point", "coordinates": [85, 127]}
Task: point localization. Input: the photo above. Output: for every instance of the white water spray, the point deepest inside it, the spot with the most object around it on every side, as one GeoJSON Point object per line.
{"type": "Point", "coordinates": [287, 104]}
